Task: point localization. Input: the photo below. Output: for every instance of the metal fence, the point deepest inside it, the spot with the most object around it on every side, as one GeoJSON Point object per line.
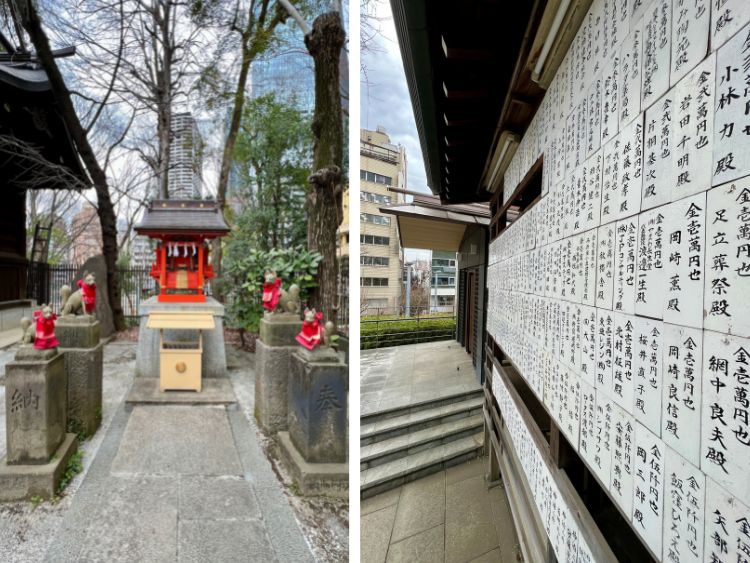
{"type": "Point", "coordinates": [378, 331]}
{"type": "Point", "coordinates": [342, 314]}
{"type": "Point", "coordinates": [44, 282]}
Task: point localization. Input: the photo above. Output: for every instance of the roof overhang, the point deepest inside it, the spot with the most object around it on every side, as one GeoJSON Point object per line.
{"type": "Point", "coordinates": [433, 227]}
{"type": "Point", "coordinates": [29, 115]}
{"type": "Point", "coordinates": [460, 60]}
{"type": "Point", "coordinates": [477, 71]}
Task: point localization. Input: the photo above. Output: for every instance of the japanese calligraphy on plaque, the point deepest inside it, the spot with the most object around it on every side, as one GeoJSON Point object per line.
{"type": "Point", "coordinates": [657, 44]}
{"type": "Point", "coordinates": [624, 273]}
{"type": "Point", "coordinates": [732, 118]}
{"type": "Point", "coordinates": [622, 361]}
{"type": "Point", "coordinates": [630, 76]}
{"type": "Point", "coordinates": [727, 17]}
{"type": "Point", "coordinates": [693, 131]}
{"type": "Point", "coordinates": [725, 424]}
{"type": "Point", "coordinates": [648, 487]}
{"type": "Point", "coordinates": [681, 397]}
{"type": "Point", "coordinates": [690, 32]}
{"type": "Point", "coordinates": [651, 280]}
{"type": "Point", "coordinates": [621, 474]}
{"type": "Point", "coordinates": [685, 247]}
{"type": "Point", "coordinates": [657, 160]}
{"type": "Point", "coordinates": [605, 266]}
{"type": "Point", "coordinates": [610, 119]}
{"type": "Point", "coordinates": [647, 372]}
{"type": "Point", "coordinates": [684, 503]}
{"type": "Point", "coordinates": [727, 289]}
{"type": "Point", "coordinates": [727, 534]}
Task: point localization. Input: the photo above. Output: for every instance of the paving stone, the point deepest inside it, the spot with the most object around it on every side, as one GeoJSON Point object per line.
{"type": "Point", "coordinates": [389, 498]}
{"type": "Point", "coordinates": [226, 541]}
{"type": "Point", "coordinates": [177, 440]}
{"type": "Point", "coordinates": [421, 506]}
{"type": "Point", "coordinates": [425, 547]}
{"type": "Point", "coordinates": [216, 498]}
{"type": "Point", "coordinates": [458, 473]}
{"type": "Point", "coordinates": [503, 519]}
{"type": "Point", "coordinates": [375, 533]}
{"type": "Point", "coordinates": [469, 527]}
{"type": "Point", "coordinates": [493, 556]}
{"type": "Point", "coordinates": [126, 519]}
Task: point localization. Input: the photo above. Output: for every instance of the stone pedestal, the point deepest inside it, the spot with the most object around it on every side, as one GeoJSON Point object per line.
{"type": "Point", "coordinates": [214, 359]}
{"type": "Point", "coordinates": [316, 446]}
{"type": "Point", "coordinates": [318, 383]}
{"type": "Point", "coordinates": [272, 363]}
{"type": "Point", "coordinates": [35, 408]}
{"type": "Point", "coordinates": [83, 352]}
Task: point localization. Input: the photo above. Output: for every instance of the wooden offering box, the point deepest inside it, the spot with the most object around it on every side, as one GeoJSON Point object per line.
{"type": "Point", "coordinates": [183, 229]}
{"type": "Point", "coordinates": [180, 359]}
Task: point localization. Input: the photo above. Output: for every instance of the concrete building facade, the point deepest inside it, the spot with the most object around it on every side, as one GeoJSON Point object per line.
{"type": "Point", "coordinates": [443, 282]}
{"type": "Point", "coordinates": [186, 159]}
{"type": "Point", "coordinates": [382, 166]}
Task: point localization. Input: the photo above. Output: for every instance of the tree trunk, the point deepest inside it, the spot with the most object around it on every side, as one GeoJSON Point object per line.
{"type": "Point", "coordinates": [226, 158]}
{"type": "Point", "coordinates": [164, 95]}
{"type": "Point", "coordinates": [105, 209]}
{"type": "Point", "coordinates": [324, 199]}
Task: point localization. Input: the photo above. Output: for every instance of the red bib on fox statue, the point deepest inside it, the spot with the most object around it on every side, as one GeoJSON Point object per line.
{"type": "Point", "coordinates": [312, 332]}
{"type": "Point", "coordinates": [271, 292]}
{"type": "Point", "coordinates": [45, 338]}
{"type": "Point", "coordinates": [88, 293]}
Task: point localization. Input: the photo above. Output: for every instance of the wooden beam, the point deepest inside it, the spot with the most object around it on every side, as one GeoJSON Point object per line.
{"type": "Point", "coordinates": [466, 94]}
{"type": "Point", "coordinates": [464, 54]}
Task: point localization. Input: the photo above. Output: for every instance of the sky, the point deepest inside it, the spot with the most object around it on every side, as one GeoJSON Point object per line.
{"type": "Point", "coordinates": [385, 100]}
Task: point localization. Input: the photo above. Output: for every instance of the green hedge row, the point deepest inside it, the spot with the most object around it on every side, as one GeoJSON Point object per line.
{"type": "Point", "coordinates": [407, 331]}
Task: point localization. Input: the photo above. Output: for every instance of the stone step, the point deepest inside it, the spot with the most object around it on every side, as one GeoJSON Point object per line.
{"type": "Point", "coordinates": [384, 451]}
{"type": "Point", "coordinates": [419, 420]}
{"type": "Point", "coordinates": [392, 474]}
{"type": "Point", "coordinates": [437, 401]}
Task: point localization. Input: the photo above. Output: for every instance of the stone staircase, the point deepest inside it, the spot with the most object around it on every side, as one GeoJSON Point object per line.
{"type": "Point", "coordinates": [402, 444]}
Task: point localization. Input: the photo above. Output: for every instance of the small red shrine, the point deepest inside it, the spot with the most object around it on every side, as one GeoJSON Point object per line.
{"type": "Point", "coordinates": [182, 229]}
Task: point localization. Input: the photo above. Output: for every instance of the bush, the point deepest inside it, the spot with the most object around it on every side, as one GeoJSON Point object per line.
{"type": "Point", "coordinates": [243, 280]}
{"type": "Point", "coordinates": [407, 331]}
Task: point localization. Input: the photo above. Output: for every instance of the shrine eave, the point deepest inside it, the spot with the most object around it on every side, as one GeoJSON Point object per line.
{"type": "Point", "coordinates": [183, 217]}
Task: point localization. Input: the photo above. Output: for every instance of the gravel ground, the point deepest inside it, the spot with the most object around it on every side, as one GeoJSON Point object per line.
{"type": "Point", "coordinates": [27, 530]}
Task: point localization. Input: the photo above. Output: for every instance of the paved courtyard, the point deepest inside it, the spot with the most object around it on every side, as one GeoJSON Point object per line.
{"type": "Point", "coordinates": [401, 375]}
{"type": "Point", "coordinates": [449, 516]}
{"type": "Point", "coordinates": [162, 483]}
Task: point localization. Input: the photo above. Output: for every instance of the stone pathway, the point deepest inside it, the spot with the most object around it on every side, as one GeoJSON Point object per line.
{"type": "Point", "coordinates": [162, 483]}
{"type": "Point", "coordinates": [449, 516]}
{"type": "Point", "coordinates": [400, 375]}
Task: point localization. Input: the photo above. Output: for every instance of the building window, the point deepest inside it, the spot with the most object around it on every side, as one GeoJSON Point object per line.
{"type": "Point", "coordinates": [373, 282]}
{"type": "Point", "coordinates": [445, 300]}
{"type": "Point", "coordinates": [444, 262]}
{"type": "Point", "coordinates": [375, 178]}
{"type": "Point", "coordinates": [444, 281]}
{"type": "Point", "coordinates": [374, 239]}
{"type": "Point", "coordinates": [373, 261]}
{"type": "Point", "coordinates": [374, 198]}
{"type": "Point", "coordinates": [375, 219]}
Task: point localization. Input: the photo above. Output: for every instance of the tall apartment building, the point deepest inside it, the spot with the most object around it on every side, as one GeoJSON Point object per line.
{"type": "Point", "coordinates": [382, 165]}
{"type": "Point", "coordinates": [186, 159]}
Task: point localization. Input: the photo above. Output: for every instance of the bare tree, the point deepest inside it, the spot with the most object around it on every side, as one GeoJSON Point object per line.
{"type": "Point", "coordinates": [29, 18]}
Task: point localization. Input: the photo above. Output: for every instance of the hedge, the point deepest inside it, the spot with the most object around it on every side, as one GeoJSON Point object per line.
{"type": "Point", "coordinates": [407, 331]}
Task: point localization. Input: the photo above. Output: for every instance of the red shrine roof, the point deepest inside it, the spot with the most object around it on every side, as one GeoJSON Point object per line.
{"type": "Point", "coordinates": [182, 217]}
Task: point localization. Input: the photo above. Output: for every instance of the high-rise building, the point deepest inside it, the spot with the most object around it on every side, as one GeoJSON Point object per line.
{"type": "Point", "coordinates": [87, 233]}
{"type": "Point", "coordinates": [382, 166]}
{"type": "Point", "coordinates": [185, 158]}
